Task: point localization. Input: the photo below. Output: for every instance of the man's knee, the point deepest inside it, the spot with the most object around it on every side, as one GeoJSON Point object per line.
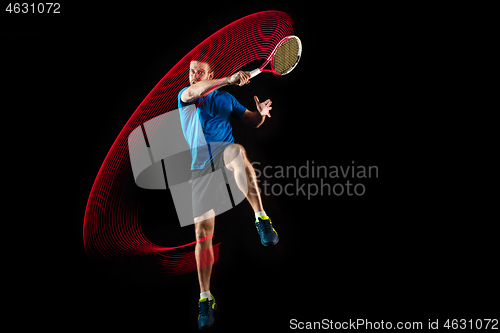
{"type": "Point", "coordinates": [203, 229]}
{"type": "Point", "coordinates": [234, 150]}
{"type": "Point", "coordinates": [204, 224]}
{"type": "Point", "coordinates": [234, 156]}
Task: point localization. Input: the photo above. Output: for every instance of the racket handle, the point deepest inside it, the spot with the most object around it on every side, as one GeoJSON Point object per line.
{"type": "Point", "coordinates": [255, 72]}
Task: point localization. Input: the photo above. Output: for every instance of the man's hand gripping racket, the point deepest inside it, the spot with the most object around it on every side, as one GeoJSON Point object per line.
{"type": "Point", "coordinates": [283, 59]}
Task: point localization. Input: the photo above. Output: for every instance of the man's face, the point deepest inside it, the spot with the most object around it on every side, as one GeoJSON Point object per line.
{"type": "Point", "coordinates": [199, 71]}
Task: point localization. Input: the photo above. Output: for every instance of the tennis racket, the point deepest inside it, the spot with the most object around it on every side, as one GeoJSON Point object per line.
{"type": "Point", "coordinates": [284, 58]}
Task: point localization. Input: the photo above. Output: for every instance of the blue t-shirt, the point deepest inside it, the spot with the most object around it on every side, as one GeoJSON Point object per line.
{"type": "Point", "coordinates": [206, 126]}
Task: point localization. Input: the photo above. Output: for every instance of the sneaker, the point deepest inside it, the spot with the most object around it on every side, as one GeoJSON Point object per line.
{"type": "Point", "coordinates": [268, 236]}
{"type": "Point", "coordinates": [206, 314]}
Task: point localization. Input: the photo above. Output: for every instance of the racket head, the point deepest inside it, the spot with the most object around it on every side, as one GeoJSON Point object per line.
{"type": "Point", "coordinates": [286, 55]}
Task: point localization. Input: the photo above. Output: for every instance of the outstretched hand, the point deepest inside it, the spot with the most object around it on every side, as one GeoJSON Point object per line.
{"type": "Point", "coordinates": [263, 107]}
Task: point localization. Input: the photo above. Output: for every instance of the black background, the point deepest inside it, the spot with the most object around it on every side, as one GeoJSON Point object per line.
{"type": "Point", "coordinates": [360, 93]}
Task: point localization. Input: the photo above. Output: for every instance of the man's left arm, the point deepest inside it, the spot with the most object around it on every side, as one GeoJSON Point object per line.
{"type": "Point", "coordinates": [257, 118]}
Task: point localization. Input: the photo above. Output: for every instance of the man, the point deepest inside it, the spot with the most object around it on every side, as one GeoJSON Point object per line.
{"type": "Point", "coordinates": [205, 112]}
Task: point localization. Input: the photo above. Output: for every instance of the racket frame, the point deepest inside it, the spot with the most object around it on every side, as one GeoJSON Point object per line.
{"type": "Point", "coordinates": [261, 69]}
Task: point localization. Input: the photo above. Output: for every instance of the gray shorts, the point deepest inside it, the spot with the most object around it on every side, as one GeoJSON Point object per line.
{"type": "Point", "coordinates": [209, 189]}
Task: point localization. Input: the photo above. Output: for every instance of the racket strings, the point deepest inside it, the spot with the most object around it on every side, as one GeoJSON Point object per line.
{"type": "Point", "coordinates": [286, 55]}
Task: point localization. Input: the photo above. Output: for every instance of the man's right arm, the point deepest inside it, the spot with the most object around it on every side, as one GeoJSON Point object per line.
{"type": "Point", "coordinates": [205, 87]}
{"type": "Point", "coordinates": [201, 88]}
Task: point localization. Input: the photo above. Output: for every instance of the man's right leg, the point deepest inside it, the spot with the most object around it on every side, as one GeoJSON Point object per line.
{"type": "Point", "coordinates": [204, 226]}
{"type": "Point", "coordinates": [204, 254]}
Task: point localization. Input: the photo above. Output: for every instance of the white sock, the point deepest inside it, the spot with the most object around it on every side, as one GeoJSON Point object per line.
{"type": "Point", "coordinates": [261, 213]}
{"type": "Point", "coordinates": [206, 294]}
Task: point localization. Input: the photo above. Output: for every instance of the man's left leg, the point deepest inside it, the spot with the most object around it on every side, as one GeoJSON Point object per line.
{"type": "Point", "coordinates": [236, 160]}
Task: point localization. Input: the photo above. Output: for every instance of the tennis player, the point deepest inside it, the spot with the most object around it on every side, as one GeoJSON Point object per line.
{"type": "Point", "coordinates": [205, 121]}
